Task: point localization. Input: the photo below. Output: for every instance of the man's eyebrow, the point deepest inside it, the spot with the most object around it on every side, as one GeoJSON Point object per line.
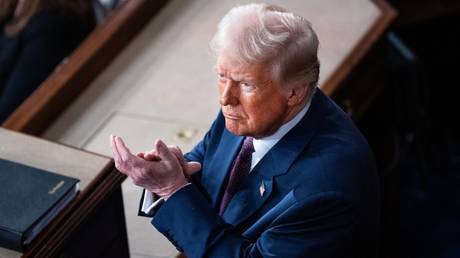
{"type": "Point", "coordinates": [218, 69]}
{"type": "Point", "coordinates": [245, 77]}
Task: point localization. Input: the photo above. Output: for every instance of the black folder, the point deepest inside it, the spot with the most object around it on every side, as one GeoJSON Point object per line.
{"type": "Point", "coordinates": [29, 199]}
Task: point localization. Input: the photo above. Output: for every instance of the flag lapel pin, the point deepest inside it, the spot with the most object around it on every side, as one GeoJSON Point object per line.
{"type": "Point", "coordinates": [262, 189]}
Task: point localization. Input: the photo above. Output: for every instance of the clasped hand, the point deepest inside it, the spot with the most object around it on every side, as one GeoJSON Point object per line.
{"type": "Point", "coordinates": [163, 170]}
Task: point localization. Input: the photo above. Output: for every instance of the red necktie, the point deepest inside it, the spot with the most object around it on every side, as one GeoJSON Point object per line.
{"type": "Point", "coordinates": [239, 172]}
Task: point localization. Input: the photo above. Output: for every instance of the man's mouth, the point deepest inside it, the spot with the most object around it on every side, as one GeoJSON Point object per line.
{"type": "Point", "coordinates": [232, 116]}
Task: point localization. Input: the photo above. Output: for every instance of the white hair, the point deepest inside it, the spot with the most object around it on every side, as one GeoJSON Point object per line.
{"type": "Point", "coordinates": [268, 34]}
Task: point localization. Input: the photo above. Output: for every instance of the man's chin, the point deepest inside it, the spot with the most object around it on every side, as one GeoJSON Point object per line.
{"type": "Point", "coordinates": [234, 128]}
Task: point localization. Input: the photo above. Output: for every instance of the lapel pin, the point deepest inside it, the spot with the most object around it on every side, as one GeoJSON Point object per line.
{"type": "Point", "coordinates": [262, 189]}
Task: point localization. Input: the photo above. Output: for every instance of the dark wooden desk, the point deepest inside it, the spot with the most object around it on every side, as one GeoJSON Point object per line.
{"type": "Point", "coordinates": [93, 225]}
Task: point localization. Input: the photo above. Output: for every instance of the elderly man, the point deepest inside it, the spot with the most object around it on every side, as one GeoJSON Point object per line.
{"type": "Point", "coordinates": [282, 172]}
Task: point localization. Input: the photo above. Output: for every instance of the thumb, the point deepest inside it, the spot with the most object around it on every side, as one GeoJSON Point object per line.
{"type": "Point", "coordinates": [191, 168]}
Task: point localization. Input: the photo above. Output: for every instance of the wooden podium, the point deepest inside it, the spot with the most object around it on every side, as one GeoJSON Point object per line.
{"type": "Point", "coordinates": [93, 225]}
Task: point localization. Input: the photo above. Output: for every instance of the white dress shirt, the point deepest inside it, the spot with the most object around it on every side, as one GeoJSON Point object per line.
{"type": "Point", "coordinates": [261, 147]}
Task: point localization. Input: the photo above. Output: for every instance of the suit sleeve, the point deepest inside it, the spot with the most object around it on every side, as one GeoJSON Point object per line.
{"type": "Point", "coordinates": [197, 154]}
{"type": "Point", "coordinates": [316, 226]}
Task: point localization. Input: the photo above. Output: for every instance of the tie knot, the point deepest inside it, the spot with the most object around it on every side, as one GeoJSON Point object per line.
{"type": "Point", "coordinates": [248, 147]}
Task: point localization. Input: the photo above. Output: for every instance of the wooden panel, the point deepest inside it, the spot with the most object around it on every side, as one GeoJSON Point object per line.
{"type": "Point", "coordinates": [388, 14]}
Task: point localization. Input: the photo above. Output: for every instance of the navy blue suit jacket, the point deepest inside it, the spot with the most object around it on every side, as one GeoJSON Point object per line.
{"type": "Point", "coordinates": [320, 199]}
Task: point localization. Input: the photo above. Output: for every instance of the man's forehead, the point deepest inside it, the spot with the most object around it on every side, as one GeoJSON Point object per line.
{"type": "Point", "coordinates": [236, 67]}
{"type": "Point", "coordinates": [230, 61]}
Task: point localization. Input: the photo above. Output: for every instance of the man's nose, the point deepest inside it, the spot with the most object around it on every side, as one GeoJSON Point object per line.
{"type": "Point", "coordinates": [228, 94]}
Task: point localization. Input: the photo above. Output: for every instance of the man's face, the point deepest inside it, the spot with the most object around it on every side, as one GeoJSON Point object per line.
{"type": "Point", "coordinates": [252, 104]}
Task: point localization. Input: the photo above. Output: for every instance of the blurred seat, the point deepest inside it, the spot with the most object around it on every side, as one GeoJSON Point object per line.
{"type": "Point", "coordinates": [104, 7]}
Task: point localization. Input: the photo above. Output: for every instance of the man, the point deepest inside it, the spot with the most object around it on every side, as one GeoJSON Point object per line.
{"type": "Point", "coordinates": [282, 172]}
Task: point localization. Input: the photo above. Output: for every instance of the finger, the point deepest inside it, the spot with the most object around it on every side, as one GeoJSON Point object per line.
{"type": "Point", "coordinates": [113, 145]}
{"type": "Point", "coordinates": [178, 153]}
{"type": "Point", "coordinates": [140, 155]}
{"type": "Point", "coordinates": [163, 152]}
{"type": "Point", "coordinates": [124, 152]}
{"type": "Point", "coordinates": [192, 167]}
{"type": "Point", "coordinates": [116, 154]}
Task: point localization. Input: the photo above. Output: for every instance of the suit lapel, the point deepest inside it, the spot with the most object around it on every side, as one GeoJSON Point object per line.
{"type": "Point", "coordinates": [255, 191]}
{"type": "Point", "coordinates": [219, 168]}
{"type": "Point", "coordinates": [249, 198]}
{"type": "Point", "coordinates": [276, 162]}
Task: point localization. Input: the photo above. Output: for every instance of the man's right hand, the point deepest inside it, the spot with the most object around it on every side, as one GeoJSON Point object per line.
{"type": "Point", "coordinates": [189, 167]}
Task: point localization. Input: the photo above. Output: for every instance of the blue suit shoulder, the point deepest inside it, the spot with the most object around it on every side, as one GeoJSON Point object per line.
{"type": "Point", "coordinates": [340, 154]}
{"type": "Point", "coordinates": [336, 171]}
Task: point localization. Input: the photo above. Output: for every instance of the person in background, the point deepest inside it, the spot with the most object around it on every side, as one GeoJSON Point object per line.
{"type": "Point", "coordinates": [35, 36]}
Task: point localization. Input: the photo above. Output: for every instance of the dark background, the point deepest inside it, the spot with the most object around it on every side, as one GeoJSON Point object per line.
{"type": "Point", "coordinates": [413, 128]}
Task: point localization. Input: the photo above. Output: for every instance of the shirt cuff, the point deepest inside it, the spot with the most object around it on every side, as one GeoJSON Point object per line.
{"type": "Point", "coordinates": [151, 201]}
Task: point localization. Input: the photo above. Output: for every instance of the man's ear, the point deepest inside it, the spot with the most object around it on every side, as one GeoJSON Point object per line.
{"type": "Point", "coordinates": [298, 94]}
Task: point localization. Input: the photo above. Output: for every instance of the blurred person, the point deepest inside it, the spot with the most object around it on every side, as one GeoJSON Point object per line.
{"type": "Point", "coordinates": [282, 172]}
{"type": "Point", "coordinates": [36, 35]}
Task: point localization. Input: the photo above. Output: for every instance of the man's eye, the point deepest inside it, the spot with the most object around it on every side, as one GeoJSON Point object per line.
{"type": "Point", "coordinates": [246, 86]}
{"type": "Point", "coordinates": [221, 77]}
